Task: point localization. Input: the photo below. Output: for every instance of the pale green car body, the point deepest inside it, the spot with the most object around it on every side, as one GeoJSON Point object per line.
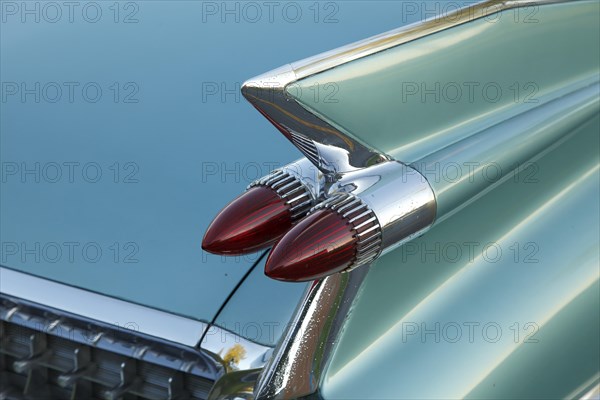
{"type": "Point", "coordinates": [501, 298]}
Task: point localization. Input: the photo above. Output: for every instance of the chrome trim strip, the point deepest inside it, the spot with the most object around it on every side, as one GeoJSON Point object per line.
{"type": "Point", "coordinates": [149, 321]}
{"type": "Point", "coordinates": [395, 37]}
{"type": "Point", "coordinates": [301, 356]}
{"type": "Point", "coordinates": [95, 319]}
{"type": "Point", "coordinates": [123, 340]}
{"type": "Point", "coordinates": [300, 183]}
{"type": "Point", "coordinates": [303, 353]}
{"type": "Point", "coordinates": [400, 197]}
{"type": "Point", "coordinates": [368, 231]}
{"type": "Point", "coordinates": [592, 394]}
{"type": "Point", "coordinates": [325, 146]}
{"type": "Point", "coordinates": [586, 390]}
{"type": "Point", "coordinates": [330, 149]}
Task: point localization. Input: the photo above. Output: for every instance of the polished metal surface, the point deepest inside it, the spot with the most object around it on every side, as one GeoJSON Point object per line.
{"type": "Point", "coordinates": [296, 368]}
{"type": "Point", "coordinates": [416, 98]}
{"type": "Point", "coordinates": [101, 308]}
{"type": "Point", "coordinates": [396, 200]}
{"type": "Point", "coordinates": [593, 393]}
{"type": "Point", "coordinates": [400, 197]}
{"type": "Point", "coordinates": [330, 147]}
{"type": "Point", "coordinates": [46, 353]}
{"type": "Point", "coordinates": [498, 301]}
{"type": "Point", "coordinates": [299, 183]}
{"type": "Point", "coordinates": [79, 317]}
{"type": "Point", "coordinates": [296, 196]}
{"type": "Point", "coordinates": [363, 221]}
{"type": "Point", "coordinates": [375, 44]}
{"type": "Point", "coordinates": [305, 171]}
{"type": "Point", "coordinates": [300, 358]}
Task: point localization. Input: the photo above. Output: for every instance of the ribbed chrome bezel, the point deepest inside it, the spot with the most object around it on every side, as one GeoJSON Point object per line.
{"type": "Point", "coordinates": [363, 222]}
{"type": "Point", "coordinates": [289, 188]}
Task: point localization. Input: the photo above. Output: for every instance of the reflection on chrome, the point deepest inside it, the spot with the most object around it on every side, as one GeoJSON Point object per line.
{"type": "Point", "coordinates": [302, 355]}
{"type": "Point", "coordinates": [305, 174]}
{"type": "Point", "coordinates": [43, 330]}
{"type": "Point", "coordinates": [101, 308]}
{"type": "Point", "coordinates": [47, 353]}
{"type": "Point", "coordinates": [332, 151]}
{"type": "Point", "coordinates": [400, 198]}
{"type": "Point", "coordinates": [295, 368]}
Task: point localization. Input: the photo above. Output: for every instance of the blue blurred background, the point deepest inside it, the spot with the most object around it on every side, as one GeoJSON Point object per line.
{"type": "Point", "coordinates": [123, 133]}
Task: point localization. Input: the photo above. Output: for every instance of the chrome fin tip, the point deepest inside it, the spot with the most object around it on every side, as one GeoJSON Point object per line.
{"type": "Point", "coordinates": [264, 86]}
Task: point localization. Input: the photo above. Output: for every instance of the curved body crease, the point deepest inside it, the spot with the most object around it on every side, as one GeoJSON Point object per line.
{"type": "Point", "coordinates": [499, 298]}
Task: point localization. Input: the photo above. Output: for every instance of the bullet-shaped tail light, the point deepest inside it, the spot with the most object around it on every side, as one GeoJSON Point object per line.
{"type": "Point", "coordinates": [338, 234]}
{"type": "Point", "coordinates": [268, 209]}
{"type": "Point", "coordinates": [366, 213]}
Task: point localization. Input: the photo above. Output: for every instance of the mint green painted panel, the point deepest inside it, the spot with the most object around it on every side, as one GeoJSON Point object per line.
{"type": "Point", "coordinates": [461, 171]}
{"type": "Point", "coordinates": [556, 350]}
{"type": "Point", "coordinates": [464, 79]}
{"type": "Point", "coordinates": [522, 259]}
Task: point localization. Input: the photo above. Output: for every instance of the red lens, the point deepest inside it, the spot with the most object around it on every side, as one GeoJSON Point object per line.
{"type": "Point", "coordinates": [320, 245]}
{"type": "Point", "coordinates": [252, 222]}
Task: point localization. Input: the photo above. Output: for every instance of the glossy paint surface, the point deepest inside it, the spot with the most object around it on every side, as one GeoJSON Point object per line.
{"type": "Point", "coordinates": [260, 309]}
{"type": "Point", "coordinates": [498, 301]}
{"type": "Point", "coordinates": [460, 172]}
{"type": "Point", "coordinates": [174, 146]}
{"type": "Point", "coordinates": [423, 95]}
{"type": "Point", "coordinates": [500, 298]}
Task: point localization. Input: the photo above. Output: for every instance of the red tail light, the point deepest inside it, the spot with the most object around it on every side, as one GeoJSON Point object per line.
{"type": "Point", "coordinates": [253, 221]}
{"type": "Point", "coordinates": [341, 234]}
{"type": "Point", "coordinates": [321, 244]}
{"type": "Point", "coordinates": [259, 217]}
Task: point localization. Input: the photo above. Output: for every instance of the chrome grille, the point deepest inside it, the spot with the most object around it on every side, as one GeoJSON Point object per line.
{"type": "Point", "coordinates": [307, 147]}
{"type": "Point", "coordinates": [44, 355]}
